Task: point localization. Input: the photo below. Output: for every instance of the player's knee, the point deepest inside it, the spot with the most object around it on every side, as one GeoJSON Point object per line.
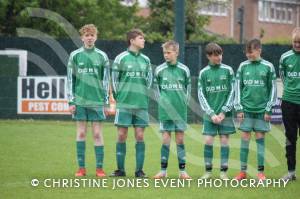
{"type": "Point", "coordinates": [139, 137]}
{"type": "Point", "coordinates": [122, 137]}
{"type": "Point", "coordinates": [179, 140]}
{"type": "Point", "coordinates": [224, 142]}
{"type": "Point", "coordinates": [209, 141]}
{"type": "Point", "coordinates": [97, 137]}
{"type": "Point", "coordinates": [166, 141]}
{"type": "Point", "coordinates": [246, 136]}
{"type": "Point", "coordinates": [81, 136]}
{"type": "Point", "coordinates": [259, 135]}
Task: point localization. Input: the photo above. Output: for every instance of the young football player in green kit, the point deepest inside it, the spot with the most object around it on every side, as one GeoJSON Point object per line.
{"type": "Point", "coordinates": [131, 80]}
{"type": "Point", "coordinates": [216, 95]}
{"type": "Point", "coordinates": [290, 75]}
{"type": "Point", "coordinates": [88, 83]}
{"type": "Point", "coordinates": [254, 97]}
{"type": "Point", "coordinates": [173, 86]}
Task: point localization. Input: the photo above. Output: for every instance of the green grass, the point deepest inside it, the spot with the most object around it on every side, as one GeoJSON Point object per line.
{"type": "Point", "coordinates": [46, 149]}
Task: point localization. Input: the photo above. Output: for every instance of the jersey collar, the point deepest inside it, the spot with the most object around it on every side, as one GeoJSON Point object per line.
{"type": "Point", "coordinates": [89, 49]}
{"type": "Point", "coordinates": [296, 52]}
{"type": "Point", "coordinates": [172, 65]}
{"type": "Point", "coordinates": [133, 53]}
{"type": "Point", "coordinates": [214, 65]}
{"type": "Point", "coordinates": [256, 61]}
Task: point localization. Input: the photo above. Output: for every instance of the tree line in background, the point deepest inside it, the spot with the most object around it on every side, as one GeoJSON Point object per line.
{"type": "Point", "coordinates": [111, 17]}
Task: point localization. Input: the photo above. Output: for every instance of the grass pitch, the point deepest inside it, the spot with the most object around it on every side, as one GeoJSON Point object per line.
{"type": "Point", "coordinates": [46, 150]}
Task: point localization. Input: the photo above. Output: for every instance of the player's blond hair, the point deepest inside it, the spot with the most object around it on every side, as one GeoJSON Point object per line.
{"type": "Point", "coordinates": [88, 28]}
{"type": "Point", "coordinates": [171, 45]}
{"type": "Point", "coordinates": [296, 34]}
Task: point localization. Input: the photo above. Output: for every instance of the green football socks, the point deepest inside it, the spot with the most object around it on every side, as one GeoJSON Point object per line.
{"type": "Point", "coordinates": [181, 156]}
{"type": "Point", "coordinates": [208, 155]}
{"type": "Point", "coordinates": [99, 156]}
{"type": "Point", "coordinates": [139, 155]}
{"type": "Point", "coordinates": [80, 146]}
{"type": "Point", "coordinates": [260, 143]}
{"type": "Point", "coordinates": [224, 157]}
{"type": "Point", "coordinates": [120, 155]}
{"type": "Point", "coordinates": [244, 154]}
{"type": "Point", "coordinates": [164, 156]}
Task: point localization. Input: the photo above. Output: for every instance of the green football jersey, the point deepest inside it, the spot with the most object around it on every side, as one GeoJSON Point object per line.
{"type": "Point", "coordinates": [255, 87]}
{"type": "Point", "coordinates": [173, 87]}
{"type": "Point", "coordinates": [131, 80]}
{"type": "Point", "coordinates": [216, 89]}
{"type": "Point", "coordinates": [289, 70]}
{"type": "Point", "coordinates": [88, 77]}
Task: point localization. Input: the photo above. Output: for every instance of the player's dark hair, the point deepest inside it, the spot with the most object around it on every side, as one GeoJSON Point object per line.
{"type": "Point", "coordinates": [253, 44]}
{"type": "Point", "coordinates": [132, 34]}
{"type": "Point", "coordinates": [213, 49]}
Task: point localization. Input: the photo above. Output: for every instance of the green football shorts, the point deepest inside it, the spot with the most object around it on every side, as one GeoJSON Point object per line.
{"type": "Point", "coordinates": [254, 122]}
{"type": "Point", "coordinates": [170, 125]}
{"type": "Point", "coordinates": [226, 127]}
{"type": "Point", "coordinates": [131, 117]}
{"type": "Point", "coordinates": [89, 113]}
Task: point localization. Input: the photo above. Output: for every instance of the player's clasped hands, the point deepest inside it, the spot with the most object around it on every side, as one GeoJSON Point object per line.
{"type": "Point", "coordinates": [217, 119]}
{"type": "Point", "coordinates": [267, 117]}
{"type": "Point", "coordinates": [107, 111]}
{"type": "Point", "coordinates": [240, 117]}
{"type": "Point", "coordinates": [72, 109]}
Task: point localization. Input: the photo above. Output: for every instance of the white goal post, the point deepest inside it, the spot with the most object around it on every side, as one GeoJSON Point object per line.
{"type": "Point", "coordinates": [22, 59]}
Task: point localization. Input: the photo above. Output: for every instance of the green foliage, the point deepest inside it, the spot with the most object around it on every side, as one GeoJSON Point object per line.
{"type": "Point", "coordinates": [280, 41]}
{"type": "Point", "coordinates": [112, 18]}
{"type": "Point", "coordinates": [160, 25]}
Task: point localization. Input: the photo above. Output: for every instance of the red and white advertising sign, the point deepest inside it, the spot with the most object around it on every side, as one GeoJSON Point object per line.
{"type": "Point", "coordinates": [42, 95]}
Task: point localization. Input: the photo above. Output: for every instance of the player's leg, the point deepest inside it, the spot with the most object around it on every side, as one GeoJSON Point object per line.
{"type": "Point", "coordinates": [164, 154]}
{"type": "Point", "coordinates": [139, 151]}
{"type": "Point", "coordinates": [180, 128]}
{"type": "Point", "coordinates": [181, 154]}
{"type": "Point", "coordinates": [80, 116]}
{"type": "Point", "coordinates": [261, 127]}
{"type": "Point", "coordinates": [224, 141]}
{"type": "Point", "coordinates": [246, 126]}
{"type": "Point", "coordinates": [260, 143]}
{"type": "Point", "coordinates": [290, 115]}
{"type": "Point", "coordinates": [123, 120]}
{"type": "Point", "coordinates": [99, 148]}
{"type": "Point", "coordinates": [208, 155]}
{"type": "Point", "coordinates": [244, 151]}
{"type": "Point", "coordinates": [226, 128]}
{"type": "Point", "coordinates": [209, 131]}
{"type": "Point", "coordinates": [80, 147]}
{"type": "Point", "coordinates": [96, 115]}
{"type": "Point", "coordinates": [165, 150]}
{"type": "Point", "coordinates": [140, 120]}
{"type": "Point", "coordinates": [121, 152]}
